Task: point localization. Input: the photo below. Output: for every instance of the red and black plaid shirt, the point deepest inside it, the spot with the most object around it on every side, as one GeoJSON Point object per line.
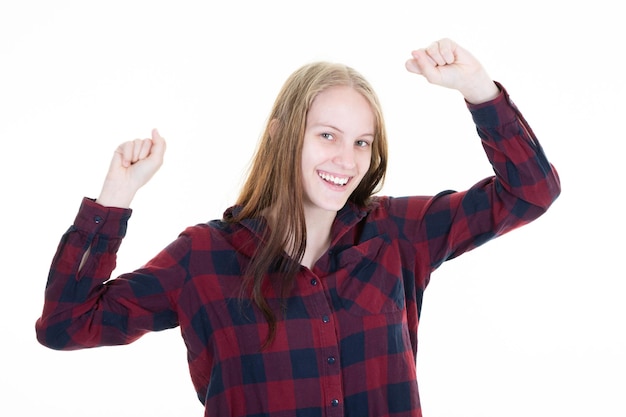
{"type": "Point", "coordinates": [347, 342]}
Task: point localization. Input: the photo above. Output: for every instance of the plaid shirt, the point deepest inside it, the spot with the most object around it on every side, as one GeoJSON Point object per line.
{"type": "Point", "coordinates": [347, 342]}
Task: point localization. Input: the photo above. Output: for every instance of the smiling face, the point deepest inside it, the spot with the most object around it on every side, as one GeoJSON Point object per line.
{"type": "Point", "coordinates": [337, 148]}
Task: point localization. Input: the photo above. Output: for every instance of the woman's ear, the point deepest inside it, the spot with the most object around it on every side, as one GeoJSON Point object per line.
{"type": "Point", "coordinates": [273, 127]}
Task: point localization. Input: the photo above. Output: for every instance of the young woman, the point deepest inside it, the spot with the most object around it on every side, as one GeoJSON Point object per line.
{"type": "Point", "coordinates": [304, 299]}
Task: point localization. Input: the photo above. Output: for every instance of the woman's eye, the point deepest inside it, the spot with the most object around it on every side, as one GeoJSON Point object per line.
{"type": "Point", "coordinates": [327, 136]}
{"type": "Point", "coordinates": [362, 143]}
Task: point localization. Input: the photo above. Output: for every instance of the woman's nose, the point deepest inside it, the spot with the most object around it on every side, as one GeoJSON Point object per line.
{"type": "Point", "coordinates": [345, 157]}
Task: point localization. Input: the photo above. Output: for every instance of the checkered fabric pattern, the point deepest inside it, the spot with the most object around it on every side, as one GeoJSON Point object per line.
{"type": "Point", "coordinates": [346, 344]}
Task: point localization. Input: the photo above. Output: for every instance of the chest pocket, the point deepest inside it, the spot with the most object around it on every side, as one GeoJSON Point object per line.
{"type": "Point", "coordinates": [369, 278]}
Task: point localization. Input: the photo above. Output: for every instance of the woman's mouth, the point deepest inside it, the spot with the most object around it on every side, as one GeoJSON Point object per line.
{"type": "Point", "coordinates": [333, 179]}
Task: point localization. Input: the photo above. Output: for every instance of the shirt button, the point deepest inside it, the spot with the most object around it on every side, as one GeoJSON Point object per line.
{"type": "Point", "coordinates": [314, 282]}
{"type": "Point", "coordinates": [97, 219]}
{"type": "Point", "coordinates": [334, 402]}
{"type": "Point", "coordinates": [330, 360]}
{"type": "Point", "coordinates": [325, 319]}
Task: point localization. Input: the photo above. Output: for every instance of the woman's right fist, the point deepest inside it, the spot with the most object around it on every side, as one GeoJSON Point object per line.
{"type": "Point", "coordinates": [133, 164]}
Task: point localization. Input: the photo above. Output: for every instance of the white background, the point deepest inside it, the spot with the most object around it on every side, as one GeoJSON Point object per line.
{"type": "Point", "coordinates": [531, 324]}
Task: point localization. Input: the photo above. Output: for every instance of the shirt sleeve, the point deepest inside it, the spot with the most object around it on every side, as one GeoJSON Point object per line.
{"type": "Point", "coordinates": [523, 187]}
{"type": "Point", "coordinates": [83, 307]}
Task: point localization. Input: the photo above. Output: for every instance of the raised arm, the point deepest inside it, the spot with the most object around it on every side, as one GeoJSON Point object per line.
{"type": "Point", "coordinates": [83, 307]}
{"type": "Point", "coordinates": [524, 184]}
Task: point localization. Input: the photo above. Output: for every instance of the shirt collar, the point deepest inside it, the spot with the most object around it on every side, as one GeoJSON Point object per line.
{"type": "Point", "coordinates": [348, 216]}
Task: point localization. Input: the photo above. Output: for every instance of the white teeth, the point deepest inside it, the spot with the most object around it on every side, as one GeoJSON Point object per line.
{"type": "Point", "coordinates": [333, 179]}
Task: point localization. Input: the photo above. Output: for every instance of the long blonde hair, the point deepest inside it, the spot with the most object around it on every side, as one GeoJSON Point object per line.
{"type": "Point", "coordinates": [274, 179]}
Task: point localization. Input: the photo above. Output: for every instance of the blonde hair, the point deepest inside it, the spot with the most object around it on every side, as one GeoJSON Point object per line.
{"type": "Point", "coordinates": [274, 179]}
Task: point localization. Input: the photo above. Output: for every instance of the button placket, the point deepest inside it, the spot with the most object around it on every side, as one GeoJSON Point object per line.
{"type": "Point", "coordinates": [332, 385]}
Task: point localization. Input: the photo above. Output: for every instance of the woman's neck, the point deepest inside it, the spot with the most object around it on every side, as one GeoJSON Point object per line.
{"type": "Point", "coordinates": [318, 226]}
